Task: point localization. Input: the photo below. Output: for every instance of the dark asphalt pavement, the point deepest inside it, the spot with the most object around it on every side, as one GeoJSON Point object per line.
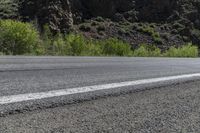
{"type": "Point", "coordinates": [20, 75]}
{"type": "Point", "coordinates": [172, 109]}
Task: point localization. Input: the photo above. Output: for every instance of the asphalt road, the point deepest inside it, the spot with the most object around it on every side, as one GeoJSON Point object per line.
{"type": "Point", "coordinates": [161, 109]}
{"type": "Point", "coordinates": [37, 74]}
{"type": "Point", "coordinates": [172, 109]}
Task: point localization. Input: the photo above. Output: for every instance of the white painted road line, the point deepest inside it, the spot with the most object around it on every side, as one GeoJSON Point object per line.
{"type": "Point", "coordinates": [70, 91]}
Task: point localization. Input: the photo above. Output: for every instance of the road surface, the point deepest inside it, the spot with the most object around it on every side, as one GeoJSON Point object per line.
{"type": "Point", "coordinates": [172, 109]}
{"type": "Point", "coordinates": [34, 84]}
{"type": "Point", "coordinates": [37, 74]}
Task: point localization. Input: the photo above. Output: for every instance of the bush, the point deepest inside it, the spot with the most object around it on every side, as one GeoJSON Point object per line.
{"type": "Point", "coordinates": [157, 40]}
{"type": "Point", "coordinates": [147, 30]}
{"type": "Point", "coordinates": [77, 43]}
{"type": "Point", "coordinates": [94, 48]}
{"type": "Point", "coordinates": [47, 39]}
{"type": "Point", "coordinates": [94, 23]}
{"type": "Point", "coordinates": [147, 51]}
{"type": "Point", "coordinates": [85, 28]}
{"type": "Point", "coordinates": [166, 36]}
{"type": "Point", "coordinates": [60, 46]}
{"type": "Point", "coordinates": [151, 32]}
{"type": "Point", "coordinates": [116, 47]}
{"type": "Point", "coordinates": [185, 51]}
{"type": "Point", "coordinates": [80, 46]}
{"type": "Point", "coordinates": [101, 28]}
{"type": "Point", "coordinates": [99, 19]}
{"type": "Point", "coordinates": [18, 38]}
{"type": "Point", "coordinates": [1, 53]}
{"type": "Point", "coordinates": [177, 25]}
{"type": "Point", "coordinates": [141, 52]}
{"type": "Point", "coordinates": [8, 9]}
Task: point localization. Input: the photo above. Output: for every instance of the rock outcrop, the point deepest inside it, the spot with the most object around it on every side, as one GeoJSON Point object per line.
{"type": "Point", "coordinates": [64, 12]}
{"type": "Point", "coordinates": [56, 13]}
{"type": "Point", "coordinates": [179, 17]}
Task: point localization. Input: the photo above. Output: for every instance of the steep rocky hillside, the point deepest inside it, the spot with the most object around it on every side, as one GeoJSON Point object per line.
{"type": "Point", "coordinates": [161, 22]}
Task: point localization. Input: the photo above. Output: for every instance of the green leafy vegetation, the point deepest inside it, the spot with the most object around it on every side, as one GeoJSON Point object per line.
{"type": "Point", "coordinates": [78, 45]}
{"type": "Point", "coordinates": [19, 38]}
{"type": "Point", "coordinates": [188, 50]}
{"type": "Point", "coordinates": [116, 47]}
{"type": "Point", "coordinates": [149, 30]}
{"type": "Point", "coordinates": [147, 51]}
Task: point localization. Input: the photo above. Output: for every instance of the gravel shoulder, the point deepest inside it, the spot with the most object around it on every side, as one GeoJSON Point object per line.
{"type": "Point", "coordinates": [166, 110]}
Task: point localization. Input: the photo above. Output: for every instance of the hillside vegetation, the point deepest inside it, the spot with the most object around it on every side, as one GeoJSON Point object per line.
{"type": "Point", "coordinates": [108, 27]}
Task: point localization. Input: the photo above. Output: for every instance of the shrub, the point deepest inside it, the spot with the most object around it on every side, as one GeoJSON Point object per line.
{"type": "Point", "coordinates": [94, 48]}
{"type": "Point", "coordinates": [141, 52]}
{"type": "Point", "coordinates": [81, 46]}
{"type": "Point", "coordinates": [121, 31]}
{"type": "Point", "coordinates": [113, 46]}
{"type": "Point", "coordinates": [177, 25]}
{"type": "Point", "coordinates": [99, 19]}
{"type": "Point", "coordinates": [185, 51]}
{"type": "Point", "coordinates": [156, 37]}
{"type": "Point", "coordinates": [154, 51]}
{"type": "Point", "coordinates": [149, 30]}
{"type": "Point", "coordinates": [77, 43]}
{"type": "Point", "coordinates": [147, 51]}
{"type": "Point", "coordinates": [166, 36]}
{"type": "Point", "coordinates": [195, 34]}
{"type": "Point", "coordinates": [60, 46]}
{"type": "Point", "coordinates": [174, 31]}
{"type": "Point", "coordinates": [85, 28]}
{"type": "Point", "coordinates": [47, 40]}
{"type": "Point", "coordinates": [94, 23]}
{"type": "Point", "coordinates": [152, 25]}
{"type": "Point", "coordinates": [101, 28]}
{"type": "Point", "coordinates": [1, 53]}
{"type": "Point", "coordinates": [157, 40]}
{"type": "Point", "coordinates": [8, 9]}
{"type": "Point", "coordinates": [18, 38]}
